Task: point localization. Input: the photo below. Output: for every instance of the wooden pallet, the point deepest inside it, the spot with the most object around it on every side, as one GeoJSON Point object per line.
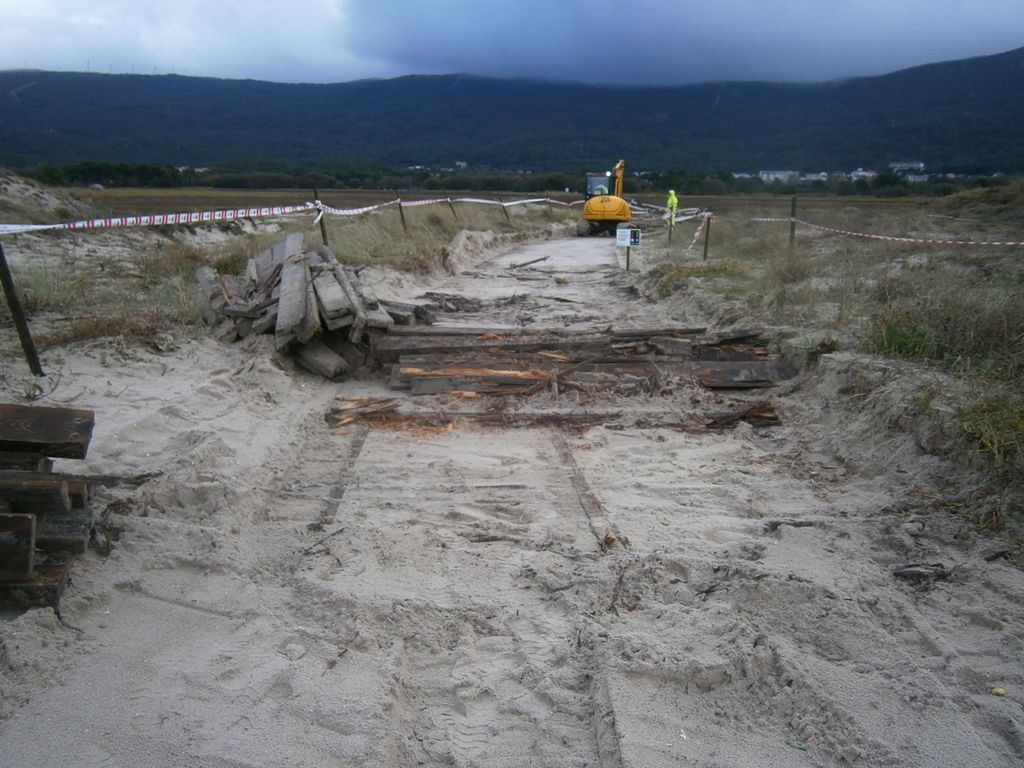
{"type": "Point", "coordinates": [45, 516]}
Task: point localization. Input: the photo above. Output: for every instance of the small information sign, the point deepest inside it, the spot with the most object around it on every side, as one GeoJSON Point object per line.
{"type": "Point", "coordinates": [627, 236]}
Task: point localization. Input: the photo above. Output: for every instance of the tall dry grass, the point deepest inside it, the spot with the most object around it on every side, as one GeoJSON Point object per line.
{"type": "Point", "coordinates": [957, 307]}
{"type": "Point", "coordinates": [149, 288]}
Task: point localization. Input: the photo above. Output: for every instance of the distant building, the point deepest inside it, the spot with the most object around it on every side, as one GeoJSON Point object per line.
{"type": "Point", "coordinates": [860, 173]}
{"type": "Point", "coordinates": [461, 165]}
{"type": "Point", "coordinates": [822, 176]}
{"type": "Point", "coordinates": [916, 178]}
{"type": "Point", "coordinates": [770, 176]}
{"type": "Point", "coordinates": [906, 166]}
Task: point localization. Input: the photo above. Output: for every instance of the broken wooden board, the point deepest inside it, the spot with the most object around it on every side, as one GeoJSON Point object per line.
{"type": "Point", "coordinates": [729, 374]}
{"type": "Point", "coordinates": [318, 358]}
{"type": "Point", "coordinates": [358, 310]}
{"type": "Point", "coordinates": [35, 492]}
{"type": "Point", "coordinates": [266, 261]}
{"type": "Point", "coordinates": [291, 307]}
{"type": "Point", "coordinates": [17, 545]}
{"type": "Point", "coordinates": [389, 348]}
{"type": "Point", "coordinates": [310, 325]}
{"type": "Point", "coordinates": [759, 414]}
{"type": "Point", "coordinates": [27, 462]}
{"type": "Point", "coordinates": [334, 304]}
{"type": "Point", "coordinates": [65, 533]}
{"type": "Point", "coordinates": [55, 432]}
{"type": "Point", "coordinates": [50, 576]}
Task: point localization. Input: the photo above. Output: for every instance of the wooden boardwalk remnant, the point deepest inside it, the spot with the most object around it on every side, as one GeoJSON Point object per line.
{"type": "Point", "coordinates": [432, 360]}
{"type": "Point", "coordinates": [330, 324]}
{"type": "Point", "coordinates": [45, 516]}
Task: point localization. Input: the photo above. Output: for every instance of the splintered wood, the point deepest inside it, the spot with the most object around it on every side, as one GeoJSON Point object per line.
{"type": "Point", "coordinates": [432, 360]}
{"type": "Point", "coordinates": [314, 306]}
{"type": "Point", "coordinates": [384, 413]}
{"type": "Point", "coordinates": [45, 517]}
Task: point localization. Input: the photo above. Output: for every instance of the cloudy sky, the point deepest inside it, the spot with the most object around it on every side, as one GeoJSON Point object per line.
{"type": "Point", "coordinates": [647, 42]}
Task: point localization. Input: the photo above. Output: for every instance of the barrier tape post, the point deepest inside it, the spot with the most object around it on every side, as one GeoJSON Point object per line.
{"type": "Point", "coordinates": [505, 209]}
{"type": "Point", "coordinates": [398, 199]}
{"type": "Point", "coordinates": [14, 304]}
{"type": "Point", "coordinates": [705, 221]}
{"type": "Point", "coordinates": [792, 225]}
{"type": "Point", "coordinates": [320, 215]}
{"type": "Point", "coordinates": [707, 236]}
{"type": "Point", "coordinates": [451, 205]}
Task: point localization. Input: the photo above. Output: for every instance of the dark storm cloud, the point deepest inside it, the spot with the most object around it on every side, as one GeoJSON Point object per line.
{"type": "Point", "coordinates": [597, 41]}
{"type": "Point", "coordinates": [653, 42]}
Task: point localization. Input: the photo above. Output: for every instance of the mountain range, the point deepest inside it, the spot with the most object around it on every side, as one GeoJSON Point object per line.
{"type": "Point", "coordinates": [961, 116]}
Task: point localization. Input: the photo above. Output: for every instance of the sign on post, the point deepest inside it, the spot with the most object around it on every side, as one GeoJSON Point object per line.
{"type": "Point", "coordinates": [625, 237]}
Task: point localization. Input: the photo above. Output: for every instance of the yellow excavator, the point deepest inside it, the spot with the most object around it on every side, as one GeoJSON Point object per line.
{"type": "Point", "coordinates": [605, 208]}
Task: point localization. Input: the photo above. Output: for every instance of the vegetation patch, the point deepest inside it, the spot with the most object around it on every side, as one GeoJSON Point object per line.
{"type": "Point", "coordinates": [669, 277]}
{"type": "Point", "coordinates": [995, 424]}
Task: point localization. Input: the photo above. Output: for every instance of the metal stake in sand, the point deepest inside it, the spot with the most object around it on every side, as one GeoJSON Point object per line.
{"type": "Point", "coordinates": [14, 304]}
{"type": "Point", "coordinates": [323, 224]}
{"type": "Point", "coordinates": [792, 225]}
{"type": "Point", "coordinates": [398, 199]}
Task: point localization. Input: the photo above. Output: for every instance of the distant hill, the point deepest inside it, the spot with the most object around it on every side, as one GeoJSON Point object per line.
{"type": "Point", "coordinates": [955, 116]}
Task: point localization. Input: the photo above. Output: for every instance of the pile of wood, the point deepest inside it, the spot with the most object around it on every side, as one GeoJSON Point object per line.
{"type": "Point", "coordinates": [331, 324]}
{"type": "Point", "coordinates": [314, 306]}
{"type": "Point", "coordinates": [439, 359]}
{"type": "Point", "coordinates": [45, 516]}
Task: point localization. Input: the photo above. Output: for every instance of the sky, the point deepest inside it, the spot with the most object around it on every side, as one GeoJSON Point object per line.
{"type": "Point", "coordinates": [622, 42]}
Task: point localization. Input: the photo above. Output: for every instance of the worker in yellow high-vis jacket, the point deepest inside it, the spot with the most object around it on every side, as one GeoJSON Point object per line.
{"type": "Point", "coordinates": [672, 204]}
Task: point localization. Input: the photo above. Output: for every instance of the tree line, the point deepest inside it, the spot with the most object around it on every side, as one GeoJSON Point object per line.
{"type": "Point", "coordinates": [377, 177]}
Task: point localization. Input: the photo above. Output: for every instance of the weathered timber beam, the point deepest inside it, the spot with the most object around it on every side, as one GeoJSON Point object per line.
{"type": "Point", "coordinates": [57, 432]}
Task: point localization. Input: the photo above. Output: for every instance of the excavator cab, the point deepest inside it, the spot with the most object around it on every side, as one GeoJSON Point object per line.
{"type": "Point", "coordinates": [604, 208]}
{"type": "Point", "coordinates": [598, 184]}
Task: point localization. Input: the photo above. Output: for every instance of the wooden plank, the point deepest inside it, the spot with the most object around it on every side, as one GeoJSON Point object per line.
{"type": "Point", "coordinates": [56, 432]}
{"type": "Point", "coordinates": [311, 321]}
{"type": "Point", "coordinates": [64, 533]}
{"type": "Point", "coordinates": [44, 587]}
{"type": "Point", "coordinates": [378, 318]}
{"type": "Point", "coordinates": [17, 546]}
{"type": "Point", "coordinates": [267, 321]}
{"type": "Point", "coordinates": [388, 347]}
{"type": "Point", "coordinates": [733, 374]}
{"type": "Point", "coordinates": [291, 307]}
{"type": "Point", "coordinates": [29, 462]}
{"type": "Point", "coordinates": [267, 261]}
{"type": "Point", "coordinates": [358, 311]}
{"type": "Point", "coordinates": [333, 300]}
{"type": "Point", "coordinates": [671, 345]}
{"type": "Point", "coordinates": [337, 323]}
{"type": "Point", "coordinates": [320, 359]}
{"type": "Point", "coordinates": [35, 493]}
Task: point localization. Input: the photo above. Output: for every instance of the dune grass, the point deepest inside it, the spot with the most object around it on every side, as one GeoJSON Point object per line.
{"type": "Point", "coordinates": [959, 308]}
{"type": "Point", "coordinates": [87, 291]}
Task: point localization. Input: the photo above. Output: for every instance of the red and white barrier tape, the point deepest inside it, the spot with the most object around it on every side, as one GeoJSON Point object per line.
{"type": "Point", "coordinates": [703, 223]}
{"type": "Point", "coordinates": [891, 238]}
{"type": "Point", "coordinates": [201, 217]}
{"type": "Point", "coordinates": [157, 220]}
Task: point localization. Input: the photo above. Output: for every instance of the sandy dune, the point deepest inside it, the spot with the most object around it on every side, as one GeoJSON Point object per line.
{"type": "Point", "coordinates": [282, 596]}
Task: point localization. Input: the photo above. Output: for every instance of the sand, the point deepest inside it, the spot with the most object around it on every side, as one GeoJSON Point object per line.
{"type": "Point", "coordinates": [278, 595]}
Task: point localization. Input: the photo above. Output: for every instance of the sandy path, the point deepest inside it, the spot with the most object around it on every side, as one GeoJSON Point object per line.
{"type": "Point", "coordinates": [283, 596]}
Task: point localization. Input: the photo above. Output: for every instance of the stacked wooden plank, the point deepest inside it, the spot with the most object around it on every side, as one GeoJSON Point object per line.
{"type": "Point", "coordinates": [45, 516]}
{"type": "Point", "coordinates": [498, 361]}
{"type": "Point", "coordinates": [315, 307]}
